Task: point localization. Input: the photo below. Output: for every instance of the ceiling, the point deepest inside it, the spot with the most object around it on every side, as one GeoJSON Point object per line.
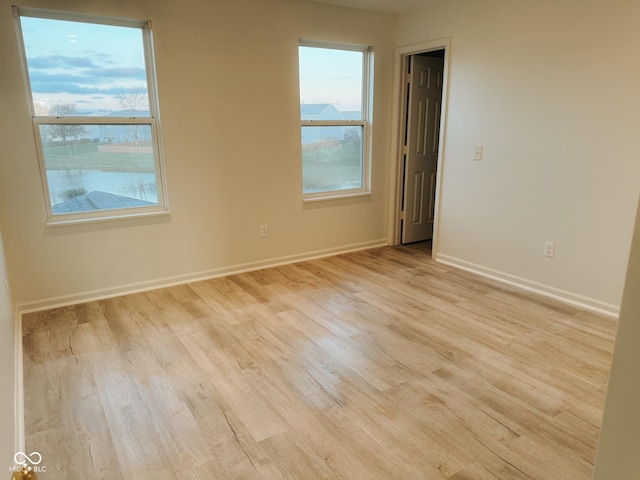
{"type": "Point", "coordinates": [384, 6]}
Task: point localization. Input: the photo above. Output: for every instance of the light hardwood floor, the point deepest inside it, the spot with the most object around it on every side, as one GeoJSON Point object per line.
{"type": "Point", "coordinates": [372, 365]}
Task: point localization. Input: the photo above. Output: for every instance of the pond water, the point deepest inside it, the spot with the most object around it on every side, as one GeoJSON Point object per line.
{"type": "Point", "coordinates": [67, 184]}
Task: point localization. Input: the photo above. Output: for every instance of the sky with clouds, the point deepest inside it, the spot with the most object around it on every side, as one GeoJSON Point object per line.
{"type": "Point", "coordinates": [84, 64]}
{"type": "Point", "coordinates": [89, 65]}
{"type": "Point", "coordinates": [331, 76]}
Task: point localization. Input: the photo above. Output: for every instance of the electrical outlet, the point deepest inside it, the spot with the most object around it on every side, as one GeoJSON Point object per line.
{"type": "Point", "coordinates": [477, 152]}
{"type": "Point", "coordinates": [264, 231]}
{"type": "Point", "coordinates": [549, 247]}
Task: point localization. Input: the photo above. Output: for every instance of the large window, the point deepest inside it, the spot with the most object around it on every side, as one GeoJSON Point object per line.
{"type": "Point", "coordinates": [94, 107]}
{"type": "Point", "coordinates": [335, 116]}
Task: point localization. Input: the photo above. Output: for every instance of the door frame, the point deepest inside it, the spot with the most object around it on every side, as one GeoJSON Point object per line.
{"type": "Point", "coordinates": [399, 113]}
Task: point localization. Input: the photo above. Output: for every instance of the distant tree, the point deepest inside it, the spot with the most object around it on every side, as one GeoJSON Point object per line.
{"type": "Point", "coordinates": [134, 99]}
{"type": "Point", "coordinates": [61, 130]}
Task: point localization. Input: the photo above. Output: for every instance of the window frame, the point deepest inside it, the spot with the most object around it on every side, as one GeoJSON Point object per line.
{"type": "Point", "coordinates": [153, 120]}
{"type": "Point", "coordinates": [365, 123]}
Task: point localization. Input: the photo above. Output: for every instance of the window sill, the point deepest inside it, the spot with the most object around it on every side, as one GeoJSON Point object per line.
{"type": "Point", "coordinates": [325, 196]}
{"type": "Point", "coordinates": [75, 219]}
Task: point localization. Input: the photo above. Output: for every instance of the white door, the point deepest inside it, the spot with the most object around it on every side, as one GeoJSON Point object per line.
{"type": "Point", "coordinates": [420, 151]}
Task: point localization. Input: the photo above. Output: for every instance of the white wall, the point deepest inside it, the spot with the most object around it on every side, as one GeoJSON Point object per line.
{"type": "Point", "coordinates": [228, 85]}
{"type": "Point", "coordinates": [7, 377]}
{"type": "Point", "coordinates": [551, 90]}
{"type": "Point", "coordinates": [619, 447]}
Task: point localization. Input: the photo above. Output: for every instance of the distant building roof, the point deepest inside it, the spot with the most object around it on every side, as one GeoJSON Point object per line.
{"type": "Point", "coordinates": [117, 113]}
{"type": "Point", "coordinates": [352, 114]}
{"type": "Point", "coordinates": [130, 113]}
{"type": "Point", "coordinates": [313, 109]}
{"type": "Point", "coordinates": [97, 200]}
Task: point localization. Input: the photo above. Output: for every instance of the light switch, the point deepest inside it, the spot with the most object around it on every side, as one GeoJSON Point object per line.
{"type": "Point", "coordinates": [477, 152]}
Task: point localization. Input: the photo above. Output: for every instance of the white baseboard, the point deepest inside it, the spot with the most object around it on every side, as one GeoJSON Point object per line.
{"type": "Point", "coordinates": [18, 406]}
{"type": "Point", "coordinates": [536, 287]}
{"type": "Point", "coordinates": [92, 295]}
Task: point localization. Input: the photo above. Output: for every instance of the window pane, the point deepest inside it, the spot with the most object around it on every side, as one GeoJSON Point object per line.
{"type": "Point", "coordinates": [99, 167]}
{"type": "Point", "coordinates": [80, 68]}
{"type": "Point", "coordinates": [331, 158]}
{"type": "Point", "coordinates": [330, 84]}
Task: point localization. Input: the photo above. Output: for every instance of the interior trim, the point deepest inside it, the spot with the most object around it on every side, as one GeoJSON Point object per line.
{"type": "Point", "coordinates": [91, 295]}
{"type": "Point", "coordinates": [564, 296]}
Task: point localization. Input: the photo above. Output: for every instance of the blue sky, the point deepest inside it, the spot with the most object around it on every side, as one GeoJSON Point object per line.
{"type": "Point", "coordinates": [80, 63]}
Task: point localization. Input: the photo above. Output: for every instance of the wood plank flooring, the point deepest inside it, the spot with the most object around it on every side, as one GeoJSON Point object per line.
{"type": "Point", "coordinates": [379, 364]}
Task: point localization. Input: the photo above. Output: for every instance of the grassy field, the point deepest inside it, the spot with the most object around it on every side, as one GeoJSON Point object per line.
{"type": "Point", "coordinates": [83, 156]}
{"type": "Point", "coordinates": [331, 167]}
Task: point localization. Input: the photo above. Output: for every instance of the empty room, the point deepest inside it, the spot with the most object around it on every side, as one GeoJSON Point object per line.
{"type": "Point", "coordinates": [300, 239]}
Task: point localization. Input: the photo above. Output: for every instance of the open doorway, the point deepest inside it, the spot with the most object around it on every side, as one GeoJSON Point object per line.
{"type": "Point", "coordinates": [422, 92]}
{"type": "Point", "coordinates": [421, 139]}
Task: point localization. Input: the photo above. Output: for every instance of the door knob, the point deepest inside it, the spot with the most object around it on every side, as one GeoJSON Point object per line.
{"type": "Point", "coordinates": [25, 473]}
